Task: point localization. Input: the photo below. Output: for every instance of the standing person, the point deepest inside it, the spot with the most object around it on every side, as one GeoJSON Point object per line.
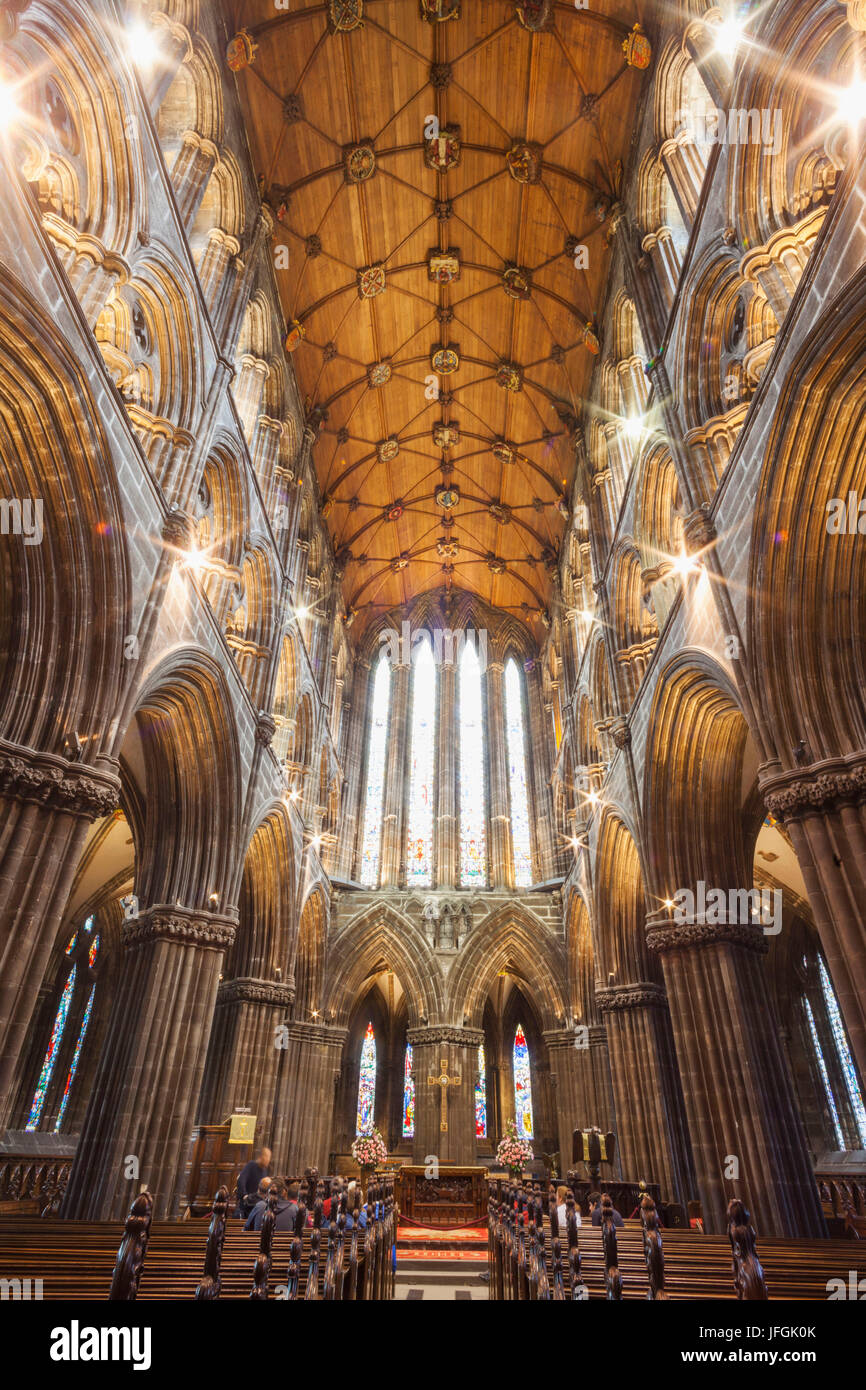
{"type": "Point", "coordinates": [248, 1181]}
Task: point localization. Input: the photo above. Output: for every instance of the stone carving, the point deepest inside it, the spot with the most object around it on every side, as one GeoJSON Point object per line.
{"type": "Point", "coordinates": [56, 783]}
{"type": "Point", "coordinates": [182, 925]}
{"type": "Point", "coordinates": [254, 991]}
{"type": "Point", "coordinates": [639, 995]}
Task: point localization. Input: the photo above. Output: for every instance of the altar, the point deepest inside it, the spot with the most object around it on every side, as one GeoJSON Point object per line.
{"type": "Point", "coordinates": [455, 1197]}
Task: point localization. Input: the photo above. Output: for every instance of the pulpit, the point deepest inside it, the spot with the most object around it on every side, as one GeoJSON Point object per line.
{"type": "Point", "coordinates": [454, 1197]}
{"type": "Point", "coordinates": [213, 1160]}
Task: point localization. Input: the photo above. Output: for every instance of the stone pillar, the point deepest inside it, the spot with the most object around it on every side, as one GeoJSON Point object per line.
{"type": "Point", "coordinates": [583, 1089]}
{"type": "Point", "coordinates": [650, 1122]}
{"type": "Point", "coordinates": [353, 759]}
{"type": "Point", "coordinates": [738, 1094]}
{"type": "Point", "coordinates": [248, 391]}
{"type": "Point", "coordinates": [304, 1113]}
{"type": "Point", "coordinates": [243, 1052]}
{"type": "Point", "coordinates": [266, 452]}
{"type": "Point", "coordinates": [395, 778]}
{"type": "Point", "coordinates": [447, 828]}
{"type": "Point", "coordinates": [146, 1093]}
{"type": "Point", "coordinates": [539, 770]}
{"type": "Point", "coordinates": [194, 163]}
{"type": "Point", "coordinates": [217, 272]}
{"type": "Point", "coordinates": [47, 805]}
{"type": "Point", "coordinates": [823, 809]}
{"type": "Point", "coordinates": [501, 866]}
{"type": "Point", "coordinates": [458, 1048]}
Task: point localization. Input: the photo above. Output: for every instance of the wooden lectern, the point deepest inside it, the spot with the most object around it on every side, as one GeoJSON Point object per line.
{"type": "Point", "coordinates": [217, 1155]}
{"type": "Point", "coordinates": [593, 1148]}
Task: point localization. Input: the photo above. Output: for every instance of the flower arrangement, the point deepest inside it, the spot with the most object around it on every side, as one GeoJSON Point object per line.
{"type": "Point", "coordinates": [513, 1152]}
{"type": "Point", "coordinates": [369, 1149]}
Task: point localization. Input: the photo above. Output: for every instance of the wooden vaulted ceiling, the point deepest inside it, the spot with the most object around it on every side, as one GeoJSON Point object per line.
{"type": "Point", "coordinates": [311, 96]}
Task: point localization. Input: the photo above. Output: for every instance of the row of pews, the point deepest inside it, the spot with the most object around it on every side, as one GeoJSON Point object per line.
{"type": "Point", "coordinates": [179, 1260]}
{"type": "Point", "coordinates": [530, 1258]}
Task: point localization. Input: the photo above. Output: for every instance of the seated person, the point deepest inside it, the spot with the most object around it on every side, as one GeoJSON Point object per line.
{"type": "Point", "coordinates": [562, 1210]}
{"type": "Point", "coordinates": [594, 1200]}
{"type": "Point", "coordinates": [286, 1208]}
{"type": "Point", "coordinates": [362, 1215]}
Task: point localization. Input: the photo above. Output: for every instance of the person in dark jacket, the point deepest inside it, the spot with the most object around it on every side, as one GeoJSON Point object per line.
{"type": "Point", "coordinates": [286, 1208]}
{"type": "Point", "coordinates": [248, 1181]}
{"type": "Point", "coordinates": [594, 1200]}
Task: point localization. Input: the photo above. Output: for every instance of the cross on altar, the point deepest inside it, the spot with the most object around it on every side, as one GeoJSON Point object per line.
{"type": "Point", "coordinates": [444, 1080]}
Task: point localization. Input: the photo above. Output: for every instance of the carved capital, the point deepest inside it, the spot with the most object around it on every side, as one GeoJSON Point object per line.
{"type": "Point", "coordinates": [822, 788]}
{"type": "Point", "coordinates": [251, 991]}
{"type": "Point", "coordinates": [640, 994]}
{"type": "Point", "coordinates": [664, 935]}
{"type": "Point", "coordinates": [265, 730]}
{"type": "Point", "coordinates": [182, 925]}
{"type": "Point", "coordinates": [56, 783]}
{"type": "Point", "coordinates": [178, 530]}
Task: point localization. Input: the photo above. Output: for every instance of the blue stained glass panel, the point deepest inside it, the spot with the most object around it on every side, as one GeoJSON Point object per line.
{"type": "Point", "coordinates": [419, 838]}
{"type": "Point", "coordinates": [845, 1059]}
{"type": "Point", "coordinates": [822, 1067]}
{"type": "Point", "coordinates": [522, 1085]}
{"type": "Point", "coordinates": [51, 1053]}
{"type": "Point", "coordinates": [473, 811]}
{"type": "Point", "coordinates": [367, 1083]}
{"type": "Point", "coordinates": [408, 1095]}
{"type": "Point", "coordinates": [75, 1056]}
{"type": "Point", "coordinates": [520, 833]}
{"type": "Point", "coordinates": [372, 841]}
{"type": "Point", "coordinates": [481, 1096]}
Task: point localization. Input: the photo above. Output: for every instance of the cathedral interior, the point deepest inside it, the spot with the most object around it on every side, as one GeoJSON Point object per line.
{"type": "Point", "coordinates": [432, 593]}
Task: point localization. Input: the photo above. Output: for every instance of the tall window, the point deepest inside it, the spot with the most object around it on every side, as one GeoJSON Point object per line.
{"type": "Point", "coordinates": [408, 1095]}
{"type": "Point", "coordinates": [481, 1096]}
{"type": "Point", "coordinates": [83, 948]}
{"type": "Point", "coordinates": [822, 1067]}
{"type": "Point", "coordinates": [473, 837]}
{"type": "Point", "coordinates": [520, 835]}
{"type": "Point", "coordinates": [367, 1083]}
{"type": "Point", "coordinates": [522, 1085]}
{"type": "Point", "coordinates": [845, 1059]}
{"type": "Point", "coordinates": [372, 841]}
{"type": "Point", "coordinates": [419, 839]}
{"type": "Point", "coordinates": [53, 1048]}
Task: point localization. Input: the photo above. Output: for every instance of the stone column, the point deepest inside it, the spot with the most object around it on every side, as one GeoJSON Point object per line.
{"type": "Point", "coordinates": [194, 163]}
{"type": "Point", "coordinates": [583, 1089]}
{"type": "Point", "coordinates": [47, 805]}
{"type": "Point", "coordinates": [217, 272]}
{"type": "Point", "coordinates": [395, 778]}
{"type": "Point", "coordinates": [739, 1099]}
{"type": "Point", "coordinates": [650, 1122]}
{"type": "Point", "coordinates": [138, 1124]}
{"type": "Point", "coordinates": [501, 866]}
{"type": "Point", "coordinates": [266, 452]}
{"type": "Point", "coordinates": [353, 759]}
{"type": "Point", "coordinates": [248, 391]}
{"type": "Point", "coordinates": [447, 828]}
{"type": "Point", "coordinates": [244, 1051]}
{"type": "Point", "coordinates": [824, 810]}
{"type": "Point", "coordinates": [458, 1048]}
{"type": "Point", "coordinates": [304, 1112]}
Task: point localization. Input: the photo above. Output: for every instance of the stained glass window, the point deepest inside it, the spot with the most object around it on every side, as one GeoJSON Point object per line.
{"type": "Point", "coordinates": [77, 1053]}
{"type": "Point", "coordinates": [419, 839]}
{"type": "Point", "coordinates": [845, 1059]}
{"type": "Point", "coordinates": [522, 1085]}
{"type": "Point", "coordinates": [408, 1095]}
{"type": "Point", "coordinates": [372, 841]}
{"type": "Point", "coordinates": [93, 952]}
{"type": "Point", "coordinates": [71, 947]}
{"type": "Point", "coordinates": [51, 1054]}
{"type": "Point", "coordinates": [473, 837]}
{"type": "Point", "coordinates": [822, 1067]}
{"type": "Point", "coordinates": [520, 836]}
{"type": "Point", "coordinates": [481, 1096]}
{"type": "Point", "coordinates": [367, 1083]}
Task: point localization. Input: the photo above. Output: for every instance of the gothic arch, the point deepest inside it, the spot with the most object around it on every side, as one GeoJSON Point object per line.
{"type": "Point", "coordinates": [66, 601]}
{"type": "Point", "coordinates": [309, 962]}
{"type": "Point", "coordinates": [382, 933]}
{"type": "Point", "coordinates": [263, 942]}
{"type": "Point", "coordinates": [511, 938]}
{"type": "Point", "coordinates": [188, 751]}
{"type": "Point", "coordinates": [621, 906]}
{"type": "Point", "coordinates": [807, 585]}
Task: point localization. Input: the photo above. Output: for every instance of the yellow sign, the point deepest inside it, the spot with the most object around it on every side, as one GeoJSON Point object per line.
{"type": "Point", "coordinates": [243, 1129]}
